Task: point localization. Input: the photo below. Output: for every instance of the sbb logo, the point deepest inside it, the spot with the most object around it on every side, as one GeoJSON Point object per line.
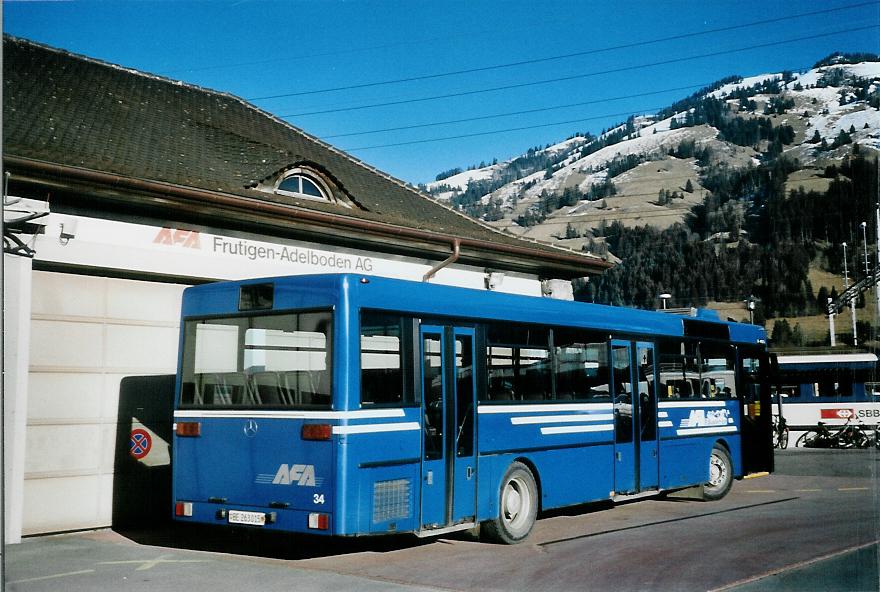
{"type": "Point", "coordinates": [837, 413]}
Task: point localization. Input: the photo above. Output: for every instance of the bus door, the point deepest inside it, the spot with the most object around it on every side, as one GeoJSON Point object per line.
{"type": "Point", "coordinates": [755, 375]}
{"type": "Point", "coordinates": [625, 448]}
{"type": "Point", "coordinates": [449, 481]}
{"type": "Point", "coordinates": [649, 451]}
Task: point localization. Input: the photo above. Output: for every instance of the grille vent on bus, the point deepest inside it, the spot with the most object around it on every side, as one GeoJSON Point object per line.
{"type": "Point", "coordinates": [391, 500]}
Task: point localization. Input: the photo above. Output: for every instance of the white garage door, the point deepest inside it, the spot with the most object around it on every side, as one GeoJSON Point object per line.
{"type": "Point", "coordinates": [87, 334]}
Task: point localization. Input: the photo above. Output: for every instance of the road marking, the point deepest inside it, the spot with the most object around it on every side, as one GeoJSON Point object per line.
{"type": "Point", "coordinates": [52, 577]}
{"type": "Point", "coordinates": [760, 491]}
{"type": "Point", "coordinates": [151, 563]}
{"type": "Point", "coordinates": [756, 475]}
{"type": "Point", "coordinates": [852, 489]}
{"type": "Point", "coordinates": [792, 567]}
{"type": "Point", "coordinates": [807, 490]}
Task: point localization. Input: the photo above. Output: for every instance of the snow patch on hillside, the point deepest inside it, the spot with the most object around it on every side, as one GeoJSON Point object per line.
{"type": "Point", "coordinates": [744, 83]}
{"type": "Point", "coordinates": [461, 180]}
{"type": "Point", "coordinates": [829, 125]}
{"type": "Point", "coordinates": [862, 70]}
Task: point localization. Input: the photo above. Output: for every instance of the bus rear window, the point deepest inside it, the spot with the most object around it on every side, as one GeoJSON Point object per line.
{"type": "Point", "coordinates": [269, 361]}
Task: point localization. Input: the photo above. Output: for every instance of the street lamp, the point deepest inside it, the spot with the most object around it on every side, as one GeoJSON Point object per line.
{"type": "Point", "coordinates": [750, 305]}
{"type": "Point", "coordinates": [864, 226]}
{"type": "Point", "coordinates": [852, 303]}
{"type": "Point", "coordinates": [664, 297]}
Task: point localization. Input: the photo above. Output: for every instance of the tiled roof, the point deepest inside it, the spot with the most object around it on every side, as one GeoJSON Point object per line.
{"type": "Point", "coordinates": [76, 111]}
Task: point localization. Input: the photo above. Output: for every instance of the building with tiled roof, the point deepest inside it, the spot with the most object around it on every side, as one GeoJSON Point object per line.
{"type": "Point", "coordinates": [176, 151]}
{"type": "Point", "coordinates": [122, 188]}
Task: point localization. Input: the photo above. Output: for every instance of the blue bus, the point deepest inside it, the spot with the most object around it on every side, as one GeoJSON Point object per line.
{"type": "Point", "coordinates": [351, 405]}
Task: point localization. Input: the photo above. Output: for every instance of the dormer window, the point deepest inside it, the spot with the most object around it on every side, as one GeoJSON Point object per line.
{"type": "Point", "coordinates": [299, 185]}
{"type": "Point", "coordinates": [304, 182]}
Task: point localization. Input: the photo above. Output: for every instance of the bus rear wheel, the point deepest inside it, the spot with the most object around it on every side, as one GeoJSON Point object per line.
{"type": "Point", "coordinates": [517, 507]}
{"type": "Point", "coordinates": [720, 475]}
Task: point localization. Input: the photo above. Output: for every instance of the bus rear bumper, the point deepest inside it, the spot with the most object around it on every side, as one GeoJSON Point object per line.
{"type": "Point", "coordinates": [283, 519]}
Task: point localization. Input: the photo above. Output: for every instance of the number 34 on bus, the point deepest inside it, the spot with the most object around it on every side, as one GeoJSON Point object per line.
{"type": "Point", "coordinates": [350, 405]}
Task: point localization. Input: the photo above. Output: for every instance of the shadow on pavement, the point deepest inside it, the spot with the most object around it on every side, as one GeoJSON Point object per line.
{"type": "Point", "coordinates": [275, 545]}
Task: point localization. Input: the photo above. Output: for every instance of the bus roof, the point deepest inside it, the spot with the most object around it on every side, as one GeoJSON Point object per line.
{"type": "Point", "coordinates": [430, 299]}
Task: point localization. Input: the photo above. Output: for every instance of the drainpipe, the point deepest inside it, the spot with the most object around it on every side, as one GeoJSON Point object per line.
{"type": "Point", "coordinates": [456, 251]}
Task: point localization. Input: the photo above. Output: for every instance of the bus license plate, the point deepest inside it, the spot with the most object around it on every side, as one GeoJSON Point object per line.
{"type": "Point", "coordinates": [252, 518]}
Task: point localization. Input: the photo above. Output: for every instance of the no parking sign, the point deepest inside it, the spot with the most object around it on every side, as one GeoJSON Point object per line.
{"type": "Point", "coordinates": [140, 443]}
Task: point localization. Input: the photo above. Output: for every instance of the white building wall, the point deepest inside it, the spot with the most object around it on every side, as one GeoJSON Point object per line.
{"type": "Point", "coordinates": [16, 330]}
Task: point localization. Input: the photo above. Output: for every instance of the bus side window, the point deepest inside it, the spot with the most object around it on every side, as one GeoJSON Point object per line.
{"type": "Point", "coordinates": [672, 370]}
{"type": "Point", "coordinates": [518, 363]}
{"type": "Point", "coordinates": [385, 345]}
{"type": "Point", "coordinates": [580, 365]}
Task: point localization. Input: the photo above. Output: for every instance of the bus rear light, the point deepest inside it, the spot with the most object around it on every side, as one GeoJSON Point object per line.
{"type": "Point", "coordinates": [319, 521]}
{"type": "Point", "coordinates": [316, 431]}
{"type": "Point", "coordinates": [188, 429]}
{"type": "Point", "coordinates": [183, 509]}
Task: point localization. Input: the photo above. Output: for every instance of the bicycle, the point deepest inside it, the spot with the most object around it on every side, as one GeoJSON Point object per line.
{"type": "Point", "coordinates": [820, 437]}
{"type": "Point", "coordinates": [780, 433]}
{"type": "Point", "coordinates": [849, 435]}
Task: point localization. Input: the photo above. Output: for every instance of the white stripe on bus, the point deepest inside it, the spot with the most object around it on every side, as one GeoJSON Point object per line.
{"type": "Point", "coordinates": [578, 429]}
{"type": "Point", "coordinates": [372, 428]}
{"type": "Point", "coordinates": [662, 414]}
{"type": "Point", "coordinates": [665, 424]}
{"type": "Point", "coordinates": [561, 418]}
{"type": "Point", "coordinates": [716, 430]}
{"type": "Point", "coordinates": [280, 414]}
{"type": "Point", "coordinates": [691, 403]}
{"type": "Point", "coordinates": [544, 408]}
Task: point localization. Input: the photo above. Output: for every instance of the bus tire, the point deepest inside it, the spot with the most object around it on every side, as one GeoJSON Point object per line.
{"type": "Point", "coordinates": [720, 474]}
{"type": "Point", "coordinates": [517, 506]}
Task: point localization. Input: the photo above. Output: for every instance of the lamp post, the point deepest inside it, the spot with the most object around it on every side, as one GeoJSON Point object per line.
{"type": "Point", "coordinates": [664, 297]}
{"type": "Point", "coordinates": [750, 305]}
{"type": "Point", "coordinates": [852, 304]}
{"type": "Point", "coordinates": [877, 254]}
{"type": "Point", "coordinates": [864, 226]}
{"type": "Point", "coordinates": [831, 323]}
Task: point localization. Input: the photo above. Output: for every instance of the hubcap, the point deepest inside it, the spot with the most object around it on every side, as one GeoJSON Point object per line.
{"type": "Point", "coordinates": [717, 471]}
{"type": "Point", "coordinates": [517, 502]}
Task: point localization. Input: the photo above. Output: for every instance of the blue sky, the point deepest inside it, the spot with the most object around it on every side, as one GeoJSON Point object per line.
{"type": "Point", "coordinates": [261, 48]}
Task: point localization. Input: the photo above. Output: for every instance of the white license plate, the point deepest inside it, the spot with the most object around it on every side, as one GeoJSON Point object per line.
{"type": "Point", "coordinates": [252, 518]}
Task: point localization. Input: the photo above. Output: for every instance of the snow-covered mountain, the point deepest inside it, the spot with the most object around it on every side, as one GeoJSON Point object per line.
{"type": "Point", "coordinates": [648, 170]}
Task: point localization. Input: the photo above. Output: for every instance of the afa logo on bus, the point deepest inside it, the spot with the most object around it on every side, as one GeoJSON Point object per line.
{"type": "Point", "coordinates": [700, 418]}
{"type": "Point", "coordinates": [295, 475]}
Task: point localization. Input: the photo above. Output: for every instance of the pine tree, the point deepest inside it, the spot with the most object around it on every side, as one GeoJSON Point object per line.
{"type": "Point", "coordinates": [841, 139]}
{"type": "Point", "coordinates": [816, 138]}
{"type": "Point", "coordinates": [689, 187]}
{"type": "Point", "coordinates": [822, 298]}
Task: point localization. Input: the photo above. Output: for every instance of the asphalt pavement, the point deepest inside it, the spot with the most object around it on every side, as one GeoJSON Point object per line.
{"type": "Point", "coordinates": [812, 525]}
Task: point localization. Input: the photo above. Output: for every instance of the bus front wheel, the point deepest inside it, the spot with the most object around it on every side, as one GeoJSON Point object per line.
{"type": "Point", "coordinates": [720, 475]}
{"type": "Point", "coordinates": [517, 508]}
